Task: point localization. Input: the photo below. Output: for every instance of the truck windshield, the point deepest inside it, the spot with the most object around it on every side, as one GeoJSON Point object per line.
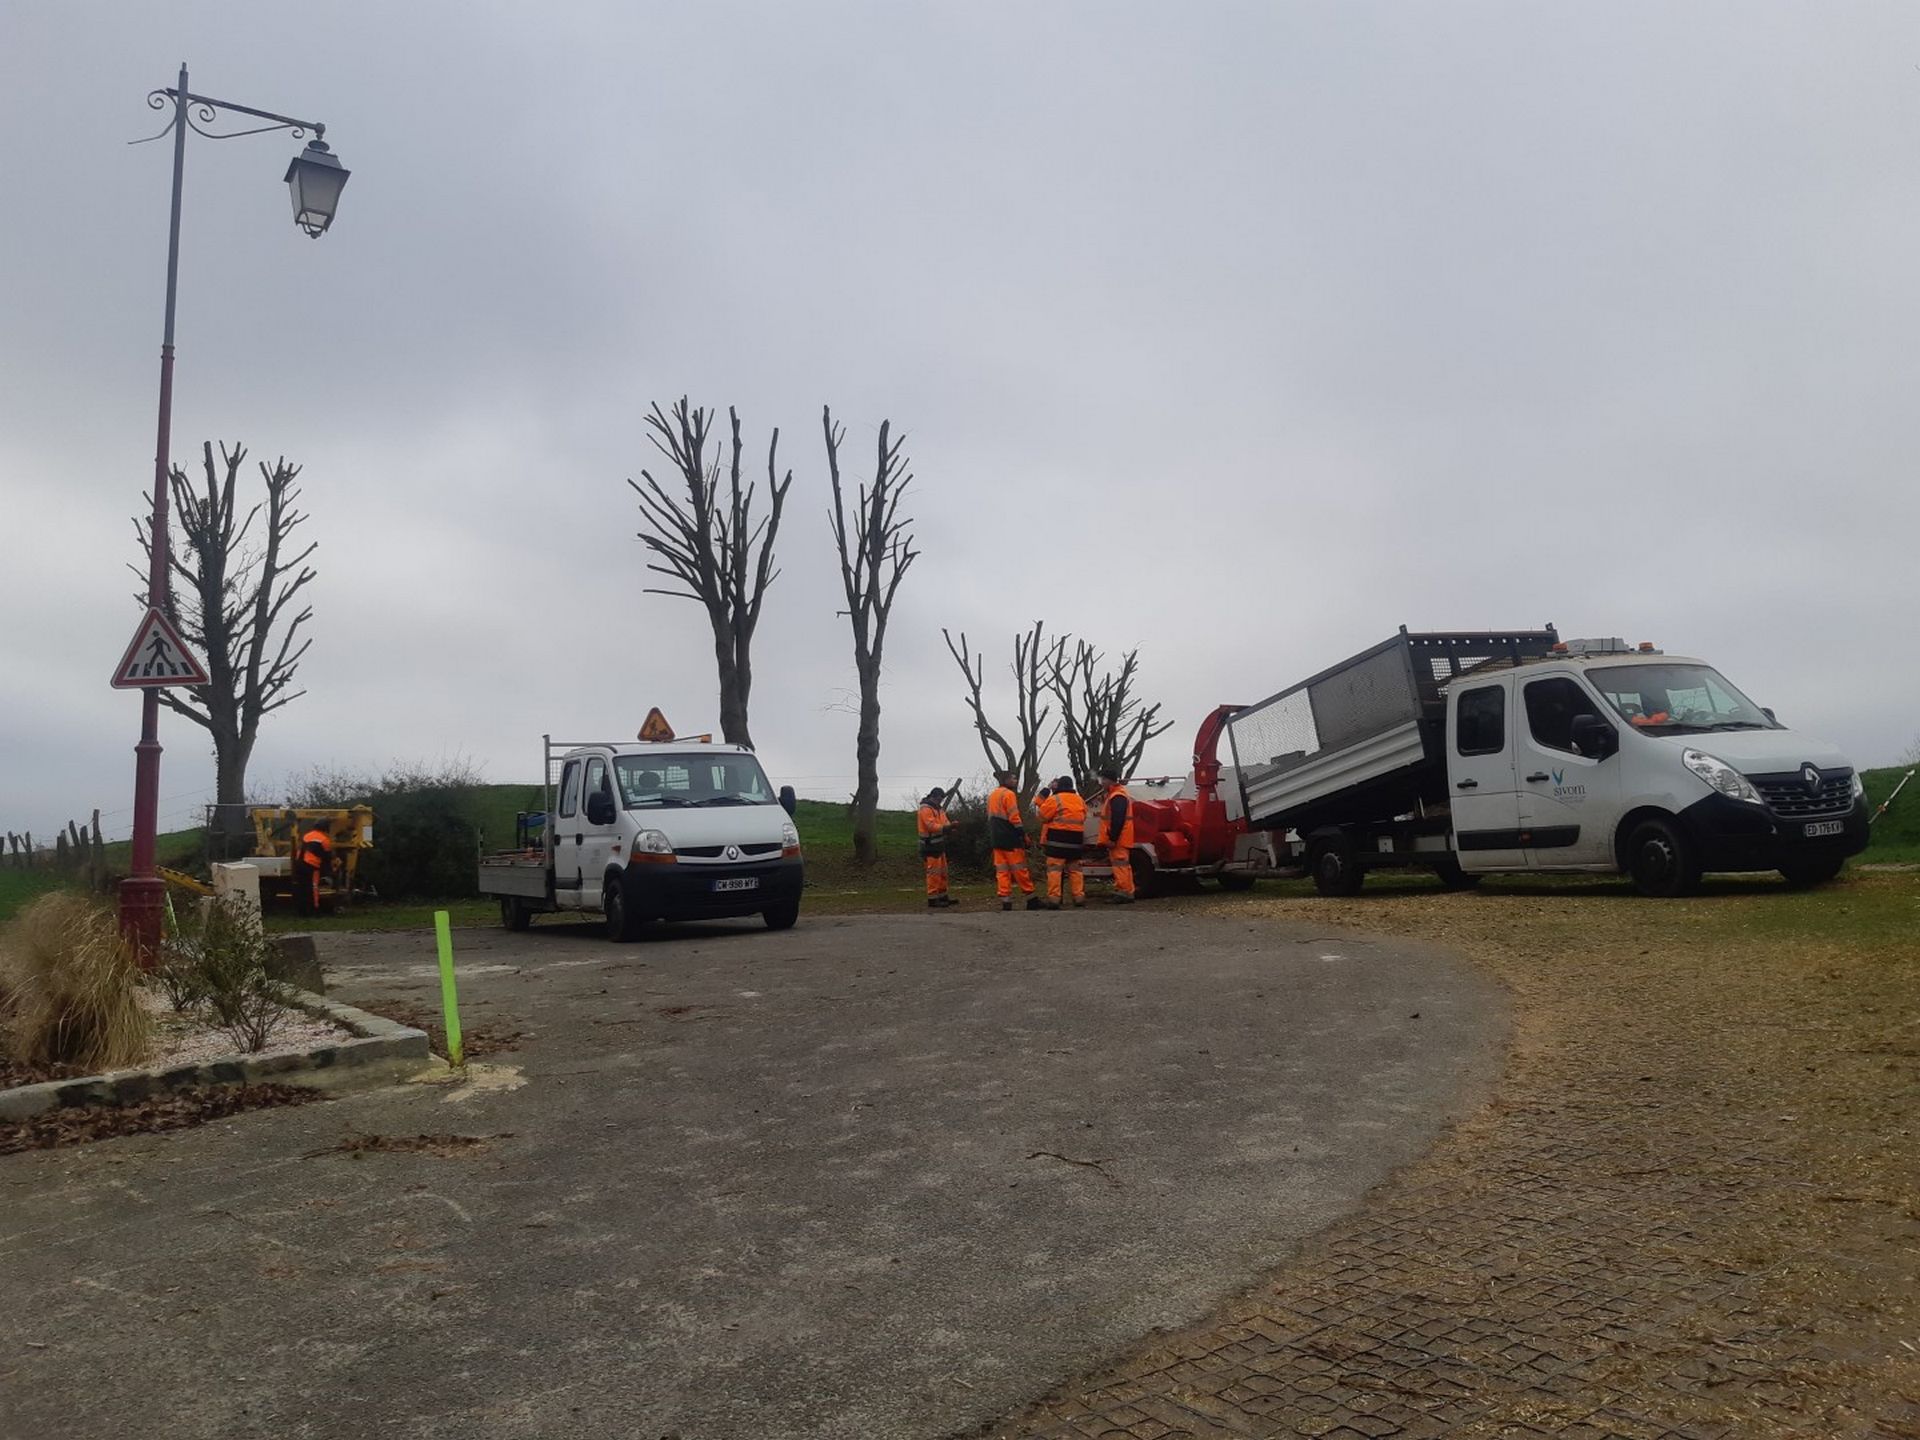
{"type": "Point", "coordinates": [667, 781]}
{"type": "Point", "coordinates": [1677, 698]}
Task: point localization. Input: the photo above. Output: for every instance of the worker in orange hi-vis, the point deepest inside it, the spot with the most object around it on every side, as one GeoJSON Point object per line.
{"type": "Point", "coordinates": [1009, 840]}
{"type": "Point", "coordinates": [1116, 833]}
{"type": "Point", "coordinates": [310, 863]}
{"type": "Point", "coordinates": [934, 821]}
{"type": "Point", "coordinates": [1063, 835]}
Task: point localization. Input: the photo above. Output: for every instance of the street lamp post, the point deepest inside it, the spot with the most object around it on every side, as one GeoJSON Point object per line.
{"type": "Point", "coordinates": [315, 179]}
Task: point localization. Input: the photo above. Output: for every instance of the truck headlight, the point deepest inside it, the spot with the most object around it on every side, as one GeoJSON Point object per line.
{"type": "Point", "coordinates": [652, 847]}
{"type": "Point", "coordinates": [789, 841]}
{"type": "Point", "coordinates": [1859, 788]}
{"type": "Point", "coordinates": [1721, 776]}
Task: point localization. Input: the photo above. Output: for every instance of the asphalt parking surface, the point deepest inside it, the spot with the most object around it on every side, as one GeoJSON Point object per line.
{"type": "Point", "coordinates": [875, 1176]}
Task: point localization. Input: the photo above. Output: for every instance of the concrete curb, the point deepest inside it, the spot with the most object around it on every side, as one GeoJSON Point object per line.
{"type": "Point", "coordinates": [380, 1051]}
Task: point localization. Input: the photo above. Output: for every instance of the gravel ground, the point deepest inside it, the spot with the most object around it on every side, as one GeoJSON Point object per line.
{"type": "Point", "coordinates": [191, 1039]}
{"type": "Point", "coordinates": [1693, 1209]}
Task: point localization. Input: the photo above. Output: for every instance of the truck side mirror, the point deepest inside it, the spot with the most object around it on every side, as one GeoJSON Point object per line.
{"type": "Point", "coordinates": [787, 800]}
{"type": "Point", "coordinates": [1767, 710]}
{"type": "Point", "coordinates": [1594, 737]}
{"type": "Point", "coordinates": [599, 808]}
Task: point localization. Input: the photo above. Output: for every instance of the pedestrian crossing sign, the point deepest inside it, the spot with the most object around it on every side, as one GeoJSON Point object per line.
{"type": "Point", "coordinates": [157, 656]}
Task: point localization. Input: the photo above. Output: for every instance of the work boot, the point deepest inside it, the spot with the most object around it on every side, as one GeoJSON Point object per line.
{"type": "Point", "coordinates": [1034, 902]}
{"type": "Point", "coordinates": [1122, 900]}
{"type": "Point", "coordinates": [1006, 904]}
{"type": "Point", "coordinates": [1079, 904]}
{"type": "Point", "coordinates": [1053, 904]}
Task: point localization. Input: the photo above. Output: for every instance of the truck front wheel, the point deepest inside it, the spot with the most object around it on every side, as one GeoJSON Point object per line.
{"type": "Point", "coordinates": [782, 916]}
{"type": "Point", "coordinates": [1662, 860]}
{"type": "Point", "coordinates": [1336, 871]}
{"type": "Point", "coordinates": [622, 927]}
{"type": "Point", "coordinates": [514, 913]}
{"type": "Point", "coordinates": [1452, 877]}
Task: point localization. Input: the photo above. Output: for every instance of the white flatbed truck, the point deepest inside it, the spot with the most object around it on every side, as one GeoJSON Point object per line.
{"type": "Point", "coordinates": [652, 830]}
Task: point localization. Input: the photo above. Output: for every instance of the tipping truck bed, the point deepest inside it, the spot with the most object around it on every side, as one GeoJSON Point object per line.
{"type": "Point", "coordinates": [1364, 740]}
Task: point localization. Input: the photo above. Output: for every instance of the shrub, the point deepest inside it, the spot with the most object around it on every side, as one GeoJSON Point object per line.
{"type": "Point", "coordinates": [969, 850]}
{"type": "Point", "coordinates": [70, 988]}
{"type": "Point", "coordinates": [224, 970]}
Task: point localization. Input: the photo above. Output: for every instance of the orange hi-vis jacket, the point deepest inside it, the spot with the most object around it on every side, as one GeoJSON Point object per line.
{"type": "Point", "coordinates": [1004, 830]}
{"type": "Point", "coordinates": [316, 848]}
{"type": "Point", "coordinates": [1063, 824]}
{"type": "Point", "coordinates": [933, 830]}
{"type": "Point", "coordinates": [1116, 818]}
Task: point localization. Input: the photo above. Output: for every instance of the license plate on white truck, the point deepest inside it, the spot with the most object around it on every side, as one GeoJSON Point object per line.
{"type": "Point", "coordinates": [1824, 827]}
{"type": "Point", "coordinates": [744, 882]}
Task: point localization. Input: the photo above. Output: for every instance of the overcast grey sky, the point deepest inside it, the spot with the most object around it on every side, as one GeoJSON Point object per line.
{"type": "Point", "coordinates": [1242, 333]}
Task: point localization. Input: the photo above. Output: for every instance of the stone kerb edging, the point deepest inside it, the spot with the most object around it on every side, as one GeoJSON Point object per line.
{"type": "Point", "coordinates": [379, 1050]}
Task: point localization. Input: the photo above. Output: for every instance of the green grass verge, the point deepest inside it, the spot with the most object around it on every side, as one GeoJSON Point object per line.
{"type": "Point", "coordinates": [19, 887]}
{"type": "Point", "coordinates": [1896, 835]}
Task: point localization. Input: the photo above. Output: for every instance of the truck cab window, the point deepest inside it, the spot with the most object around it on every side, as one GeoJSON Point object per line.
{"type": "Point", "coordinates": [570, 790]}
{"type": "Point", "coordinates": [1480, 725]}
{"type": "Point", "coordinates": [1551, 708]}
{"type": "Point", "coordinates": [597, 782]}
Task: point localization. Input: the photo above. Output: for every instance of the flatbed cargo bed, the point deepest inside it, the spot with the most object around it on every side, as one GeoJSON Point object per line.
{"type": "Point", "coordinates": [1365, 739]}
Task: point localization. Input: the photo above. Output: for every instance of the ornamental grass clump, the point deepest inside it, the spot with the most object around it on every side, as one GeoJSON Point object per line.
{"type": "Point", "coordinates": [69, 988]}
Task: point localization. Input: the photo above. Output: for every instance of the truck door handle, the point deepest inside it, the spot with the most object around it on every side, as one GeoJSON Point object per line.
{"type": "Point", "coordinates": [1539, 775]}
{"type": "Point", "coordinates": [1468, 785]}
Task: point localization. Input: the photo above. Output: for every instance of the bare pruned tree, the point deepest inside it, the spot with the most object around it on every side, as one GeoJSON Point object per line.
{"type": "Point", "coordinates": [876, 551]}
{"type": "Point", "coordinates": [712, 546]}
{"type": "Point", "coordinates": [233, 602]}
{"type": "Point", "coordinates": [1031, 712]}
{"type": "Point", "coordinates": [1105, 723]}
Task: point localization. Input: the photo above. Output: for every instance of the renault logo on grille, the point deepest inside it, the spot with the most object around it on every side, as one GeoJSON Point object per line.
{"type": "Point", "coordinates": [733, 851]}
{"type": "Point", "coordinates": [1811, 778]}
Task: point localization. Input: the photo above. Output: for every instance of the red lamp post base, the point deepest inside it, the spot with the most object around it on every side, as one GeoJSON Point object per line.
{"type": "Point", "coordinates": [143, 913]}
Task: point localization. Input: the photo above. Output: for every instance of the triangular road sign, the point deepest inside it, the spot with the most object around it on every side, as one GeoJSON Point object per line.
{"type": "Point", "coordinates": [157, 656]}
{"type": "Point", "coordinates": [656, 726]}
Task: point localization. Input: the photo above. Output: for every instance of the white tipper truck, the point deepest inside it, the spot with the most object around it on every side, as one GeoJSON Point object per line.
{"type": "Point", "coordinates": [1476, 752]}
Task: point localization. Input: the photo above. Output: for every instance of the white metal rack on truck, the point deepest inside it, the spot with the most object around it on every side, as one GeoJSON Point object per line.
{"type": "Point", "coordinates": [1474, 752]}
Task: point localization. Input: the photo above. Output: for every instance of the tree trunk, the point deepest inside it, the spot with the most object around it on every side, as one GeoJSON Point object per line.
{"type": "Point", "coordinates": [866, 792]}
{"type": "Point", "coordinates": [230, 757]}
{"type": "Point", "coordinates": [734, 688]}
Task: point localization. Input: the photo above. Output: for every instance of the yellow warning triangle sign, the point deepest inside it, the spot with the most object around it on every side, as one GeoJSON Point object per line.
{"type": "Point", "coordinates": [656, 726]}
{"type": "Point", "coordinates": [157, 656]}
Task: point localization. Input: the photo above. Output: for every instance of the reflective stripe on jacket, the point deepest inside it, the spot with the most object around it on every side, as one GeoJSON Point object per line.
{"type": "Point", "coordinates": [316, 846]}
{"type": "Point", "coordinates": [1004, 829]}
{"type": "Point", "coordinates": [1063, 824]}
{"type": "Point", "coordinates": [1116, 818]}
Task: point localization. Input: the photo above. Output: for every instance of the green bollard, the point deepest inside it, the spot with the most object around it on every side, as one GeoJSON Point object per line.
{"type": "Point", "coordinates": [449, 1000]}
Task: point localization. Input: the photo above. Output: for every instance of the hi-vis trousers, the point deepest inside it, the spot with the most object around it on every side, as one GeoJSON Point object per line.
{"type": "Point", "coordinates": [1010, 869]}
{"type": "Point", "coordinates": [1059, 867]}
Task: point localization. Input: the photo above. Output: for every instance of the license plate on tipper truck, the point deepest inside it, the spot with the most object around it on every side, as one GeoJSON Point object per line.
{"type": "Point", "coordinates": [743, 882]}
{"type": "Point", "coordinates": [1824, 827]}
